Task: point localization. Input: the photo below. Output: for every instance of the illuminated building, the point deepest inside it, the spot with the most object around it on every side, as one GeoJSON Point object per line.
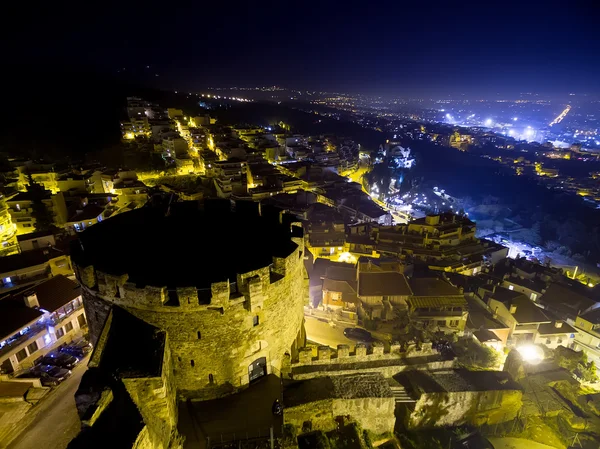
{"type": "Point", "coordinates": [437, 305]}
{"type": "Point", "coordinates": [518, 312]}
{"type": "Point", "coordinates": [460, 141]}
{"type": "Point", "coordinates": [229, 321]}
{"type": "Point", "coordinates": [21, 211]}
{"type": "Point", "coordinates": [174, 145]}
{"type": "Point", "coordinates": [174, 113]}
{"type": "Point", "coordinates": [136, 127]}
{"type": "Point", "coordinates": [8, 229]}
{"type": "Point", "coordinates": [588, 336]}
{"type": "Point", "coordinates": [230, 177]}
{"type": "Point", "coordinates": [37, 320]}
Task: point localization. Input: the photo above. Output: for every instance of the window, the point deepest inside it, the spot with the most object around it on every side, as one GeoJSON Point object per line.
{"type": "Point", "coordinates": [255, 320]}
{"type": "Point", "coordinates": [81, 320]}
{"type": "Point", "coordinates": [27, 225]}
{"type": "Point", "coordinates": [548, 341]}
{"type": "Point", "coordinates": [511, 287]}
{"type": "Point", "coordinates": [32, 347]}
{"type": "Point", "coordinates": [60, 332]}
{"type": "Point", "coordinates": [211, 378]}
{"type": "Point", "coordinates": [21, 355]}
{"type": "Point", "coordinates": [69, 326]}
{"type": "Point", "coordinates": [559, 341]}
{"type": "Point", "coordinates": [192, 363]}
{"type": "Point", "coordinates": [533, 296]}
{"type": "Point", "coordinates": [453, 323]}
{"type": "Point", "coordinates": [7, 280]}
{"type": "Point", "coordinates": [199, 335]}
{"type": "Point", "coordinates": [441, 322]}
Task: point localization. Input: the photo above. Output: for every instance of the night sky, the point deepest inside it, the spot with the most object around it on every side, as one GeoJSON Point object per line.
{"type": "Point", "coordinates": [376, 47]}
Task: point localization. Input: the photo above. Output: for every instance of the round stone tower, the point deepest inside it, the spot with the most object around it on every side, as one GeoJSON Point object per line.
{"type": "Point", "coordinates": [226, 284]}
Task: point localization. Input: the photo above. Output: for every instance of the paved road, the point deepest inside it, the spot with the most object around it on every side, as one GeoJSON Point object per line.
{"type": "Point", "coordinates": [56, 422]}
{"type": "Point", "coordinates": [324, 334]}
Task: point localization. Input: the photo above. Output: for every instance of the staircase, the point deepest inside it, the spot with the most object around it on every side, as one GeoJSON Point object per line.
{"type": "Point", "coordinates": [400, 394]}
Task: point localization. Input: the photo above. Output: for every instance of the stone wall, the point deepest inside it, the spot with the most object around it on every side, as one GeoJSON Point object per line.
{"type": "Point", "coordinates": [318, 413]}
{"type": "Point", "coordinates": [374, 414]}
{"type": "Point", "coordinates": [212, 344]}
{"type": "Point", "coordinates": [466, 407]}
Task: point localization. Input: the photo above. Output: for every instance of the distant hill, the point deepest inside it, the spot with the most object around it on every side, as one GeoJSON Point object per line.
{"type": "Point", "coordinates": [65, 113]}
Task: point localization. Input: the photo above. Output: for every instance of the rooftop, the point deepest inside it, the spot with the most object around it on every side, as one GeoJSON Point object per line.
{"type": "Point", "coordinates": [15, 315]}
{"type": "Point", "coordinates": [27, 196]}
{"type": "Point", "coordinates": [383, 283]}
{"type": "Point", "coordinates": [565, 300]}
{"type": "Point", "coordinates": [186, 246]}
{"type": "Point", "coordinates": [350, 386]}
{"type": "Point", "coordinates": [458, 380]}
{"type": "Point", "coordinates": [552, 329]}
{"type": "Point", "coordinates": [55, 292]}
{"type": "Point", "coordinates": [433, 287]}
{"type": "Point", "coordinates": [34, 235]}
{"type": "Point", "coordinates": [89, 212]}
{"type": "Point", "coordinates": [27, 259]}
{"type": "Point", "coordinates": [526, 310]}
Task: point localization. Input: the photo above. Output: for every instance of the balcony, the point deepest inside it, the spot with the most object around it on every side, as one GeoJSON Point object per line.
{"type": "Point", "coordinates": [422, 314]}
{"type": "Point", "coordinates": [32, 333]}
{"type": "Point", "coordinates": [57, 318]}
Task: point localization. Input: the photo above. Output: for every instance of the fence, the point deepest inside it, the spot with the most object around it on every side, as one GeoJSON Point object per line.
{"type": "Point", "coordinates": [252, 439]}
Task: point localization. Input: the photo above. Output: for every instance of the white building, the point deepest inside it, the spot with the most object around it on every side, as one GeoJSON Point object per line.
{"type": "Point", "coordinates": [37, 320]}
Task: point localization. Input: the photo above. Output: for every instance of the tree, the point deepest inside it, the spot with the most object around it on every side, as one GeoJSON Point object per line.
{"type": "Point", "coordinates": [44, 219]}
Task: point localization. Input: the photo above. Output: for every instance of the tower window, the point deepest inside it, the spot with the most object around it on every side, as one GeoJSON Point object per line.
{"type": "Point", "coordinates": [211, 379]}
{"type": "Point", "coordinates": [192, 363]}
{"type": "Point", "coordinates": [255, 320]}
{"type": "Point", "coordinates": [199, 335]}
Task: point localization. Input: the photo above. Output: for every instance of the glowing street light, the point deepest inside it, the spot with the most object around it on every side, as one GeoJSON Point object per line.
{"type": "Point", "coordinates": [531, 354]}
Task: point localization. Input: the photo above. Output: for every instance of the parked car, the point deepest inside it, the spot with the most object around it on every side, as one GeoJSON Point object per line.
{"type": "Point", "coordinates": [77, 349]}
{"type": "Point", "coordinates": [56, 372]}
{"type": "Point", "coordinates": [50, 376]}
{"type": "Point", "coordinates": [358, 334]}
{"type": "Point", "coordinates": [59, 359]}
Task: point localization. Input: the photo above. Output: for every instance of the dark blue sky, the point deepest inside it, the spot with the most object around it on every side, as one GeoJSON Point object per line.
{"type": "Point", "coordinates": [371, 46]}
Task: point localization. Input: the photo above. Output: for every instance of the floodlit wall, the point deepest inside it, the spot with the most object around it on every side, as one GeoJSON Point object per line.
{"type": "Point", "coordinates": [213, 345]}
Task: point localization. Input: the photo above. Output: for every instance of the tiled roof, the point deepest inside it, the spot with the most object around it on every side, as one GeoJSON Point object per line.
{"type": "Point", "coordinates": [432, 287]}
{"type": "Point", "coordinates": [551, 329]}
{"type": "Point", "coordinates": [55, 292]}
{"type": "Point", "coordinates": [14, 315]}
{"type": "Point", "coordinates": [437, 301]}
{"type": "Point", "coordinates": [383, 283]}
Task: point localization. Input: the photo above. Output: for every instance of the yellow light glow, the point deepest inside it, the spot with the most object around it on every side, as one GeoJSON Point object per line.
{"type": "Point", "coordinates": [129, 136]}
{"type": "Point", "coordinates": [531, 354]}
{"type": "Point", "coordinates": [346, 257]}
{"type": "Point", "coordinates": [590, 285]}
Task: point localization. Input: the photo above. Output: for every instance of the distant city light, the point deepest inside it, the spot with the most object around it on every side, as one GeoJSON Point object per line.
{"type": "Point", "coordinates": [515, 119]}
{"type": "Point", "coordinates": [488, 122]}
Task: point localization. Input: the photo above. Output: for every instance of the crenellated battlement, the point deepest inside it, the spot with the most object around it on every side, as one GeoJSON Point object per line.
{"type": "Point", "coordinates": [249, 289]}
{"type": "Point", "coordinates": [327, 356]}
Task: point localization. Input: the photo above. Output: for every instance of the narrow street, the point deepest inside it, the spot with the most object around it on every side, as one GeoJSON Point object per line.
{"type": "Point", "coordinates": [56, 421]}
{"type": "Point", "coordinates": [323, 333]}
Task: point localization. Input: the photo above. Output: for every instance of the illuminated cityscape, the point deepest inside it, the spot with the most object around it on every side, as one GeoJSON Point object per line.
{"type": "Point", "coordinates": [231, 226]}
